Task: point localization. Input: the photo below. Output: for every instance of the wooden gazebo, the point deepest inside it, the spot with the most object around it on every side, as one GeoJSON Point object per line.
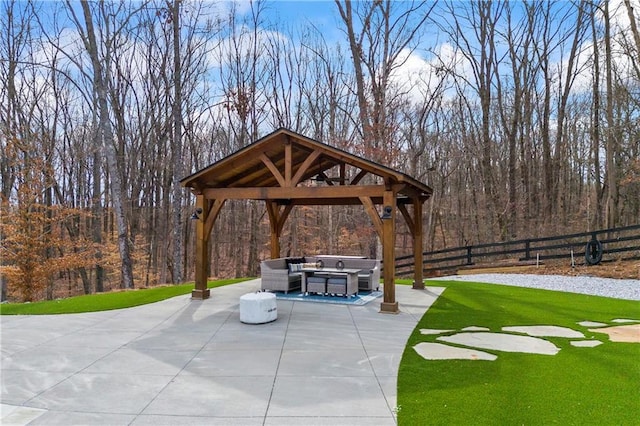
{"type": "Point", "coordinates": [273, 170]}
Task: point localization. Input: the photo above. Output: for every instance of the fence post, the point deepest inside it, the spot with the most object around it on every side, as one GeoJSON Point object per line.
{"type": "Point", "coordinates": [527, 250]}
{"type": "Point", "coordinates": [469, 256]}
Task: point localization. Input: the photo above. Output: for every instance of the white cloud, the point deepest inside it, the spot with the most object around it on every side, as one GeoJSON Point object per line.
{"type": "Point", "coordinates": [420, 77]}
{"type": "Point", "coordinates": [618, 14]}
{"type": "Point", "coordinates": [242, 44]}
{"type": "Point", "coordinates": [242, 7]}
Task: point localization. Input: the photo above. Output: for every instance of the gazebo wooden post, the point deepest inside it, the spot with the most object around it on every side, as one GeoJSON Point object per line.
{"type": "Point", "coordinates": [275, 228]}
{"type": "Point", "coordinates": [275, 244]}
{"type": "Point", "coordinates": [418, 276]}
{"type": "Point", "coordinates": [200, 290]}
{"type": "Point", "coordinates": [389, 303]}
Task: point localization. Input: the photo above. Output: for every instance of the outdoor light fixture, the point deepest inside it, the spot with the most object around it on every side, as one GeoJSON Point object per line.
{"type": "Point", "coordinates": [196, 214]}
{"type": "Point", "coordinates": [386, 212]}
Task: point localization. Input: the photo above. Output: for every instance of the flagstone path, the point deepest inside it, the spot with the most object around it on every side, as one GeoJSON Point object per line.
{"type": "Point", "coordinates": [524, 339]}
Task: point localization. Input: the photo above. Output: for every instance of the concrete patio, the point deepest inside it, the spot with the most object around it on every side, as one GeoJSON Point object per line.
{"type": "Point", "coordinates": [192, 362]}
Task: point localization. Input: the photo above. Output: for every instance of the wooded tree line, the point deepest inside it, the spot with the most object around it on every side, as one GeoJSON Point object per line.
{"type": "Point", "coordinates": [522, 116]}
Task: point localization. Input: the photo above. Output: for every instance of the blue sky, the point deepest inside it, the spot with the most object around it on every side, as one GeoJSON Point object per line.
{"type": "Point", "coordinates": [322, 14]}
{"type": "Point", "coordinates": [288, 17]}
{"type": "Point", "coordinates": [311, 10]}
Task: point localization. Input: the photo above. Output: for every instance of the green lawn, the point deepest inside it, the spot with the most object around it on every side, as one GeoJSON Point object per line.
{"type": "Point", "coordinates": [105, 301]}
{"type": "Point", "coordinates": [578, 386]}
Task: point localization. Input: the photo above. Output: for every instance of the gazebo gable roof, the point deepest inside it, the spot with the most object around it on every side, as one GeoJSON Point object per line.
{"type": "Point", "coordinates": [263, 164]}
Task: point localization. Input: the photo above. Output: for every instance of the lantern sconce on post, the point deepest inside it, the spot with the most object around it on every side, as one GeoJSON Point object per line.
{"type": "Point", "coordinates": [386, 212]}
{"type": "Point", "coordinates": [196, 214]}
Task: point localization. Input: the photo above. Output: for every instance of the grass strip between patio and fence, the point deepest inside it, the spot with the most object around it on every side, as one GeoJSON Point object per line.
{"type": "Point", "coordinates": [106, 301]}
{"type": "Point", "coordinates": [578, 385]}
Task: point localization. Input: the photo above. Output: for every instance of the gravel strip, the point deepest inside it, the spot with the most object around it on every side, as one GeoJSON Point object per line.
{"type": "Point", "coordinates": [608, 287]}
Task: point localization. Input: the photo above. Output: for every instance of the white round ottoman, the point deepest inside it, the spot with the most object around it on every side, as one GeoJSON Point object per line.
{"type": "Point", "coordinates": [258, 308]}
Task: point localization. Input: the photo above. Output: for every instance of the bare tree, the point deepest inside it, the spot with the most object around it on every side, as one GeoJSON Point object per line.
{"type": "Point", "coordinates": [176, 151]}
{"type": "Point", "coordinates": [596, 222]}
{"type": "Point", "coordinates": [14, 39]}
{"type": "Point", "coordinates": [381, 35]}
{"type": "Point", "coordinates": [242, 82]}
{"type": "Point", "coordinates": [100, 82]}
{"type": "Point", "coordinates": [611, 146]}
{"type": "Point", "coordinates": [633, 48]}
{"type": "Point", "coordinates": [479, 50]}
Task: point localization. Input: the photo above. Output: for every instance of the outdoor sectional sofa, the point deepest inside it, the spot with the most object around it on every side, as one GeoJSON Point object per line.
{"type": "Point", "coordinates": [278, 275]}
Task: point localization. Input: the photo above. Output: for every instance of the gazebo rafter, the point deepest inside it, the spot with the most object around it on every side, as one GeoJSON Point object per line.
{"type": "Point", "coordinates": [273, 170]}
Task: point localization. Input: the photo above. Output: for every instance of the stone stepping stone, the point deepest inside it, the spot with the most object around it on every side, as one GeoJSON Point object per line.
{"type": "Point", "coordinates": [592, 324]}
{"type": "Point", "coordinates": [586, 343]}
{"type": "Point", "coordinates": [503, 342]}
{"type": "Point", "coordinates": [475, 328]}
{"type": "Point", "coordinates": [545, 331]}
{"type": "Point", "coordinates": [439, 351]}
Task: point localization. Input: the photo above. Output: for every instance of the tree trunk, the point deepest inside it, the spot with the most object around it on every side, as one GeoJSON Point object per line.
{"type": "Point", "coordinates": [611, 214]}
{"type": "Point", "coordinates": [596, 220]}
{"type": "Point", "coordinates": [176, 151]}
{"type": "Point", "coordinates": [355, 46]}
{"type": "Point", "coordinates": [633, 25]}
{"type": "Point", "coordinates": [117, 192]}
{"type": "Point", "coordinates": [96, 216]}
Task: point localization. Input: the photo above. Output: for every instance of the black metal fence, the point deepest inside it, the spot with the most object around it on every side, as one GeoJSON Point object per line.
{"type": "Point", "coordinates": [614, 243]}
